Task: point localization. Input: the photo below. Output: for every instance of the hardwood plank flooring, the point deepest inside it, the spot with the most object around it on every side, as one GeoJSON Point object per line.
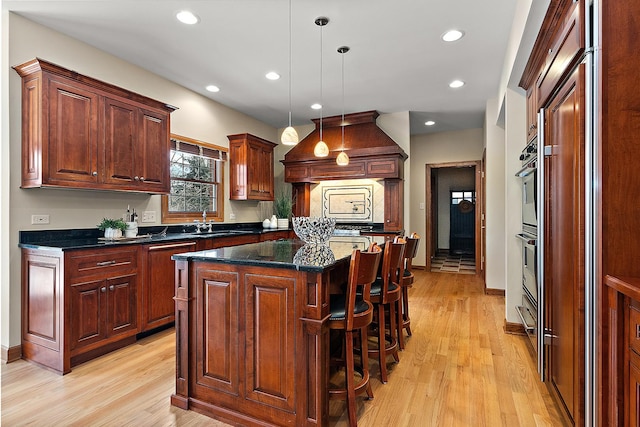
{"type": "Point", "coordinates": [458, 369]}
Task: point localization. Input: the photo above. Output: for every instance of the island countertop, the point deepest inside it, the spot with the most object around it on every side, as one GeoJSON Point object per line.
{"type": "Point", "coordinates": [290, 254]}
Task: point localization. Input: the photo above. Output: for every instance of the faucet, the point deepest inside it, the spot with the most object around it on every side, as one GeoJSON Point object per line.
{"type": "Point", "coordinates": [203, 225]}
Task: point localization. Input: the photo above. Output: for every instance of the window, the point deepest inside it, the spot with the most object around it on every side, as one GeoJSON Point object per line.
{"type": "Point", "coordinates": [197, 181]}
{"type": "Point", "coordinates": [458, 196]}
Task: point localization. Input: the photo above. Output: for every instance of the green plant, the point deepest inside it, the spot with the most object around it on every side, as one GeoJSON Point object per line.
{"type": "Point", "coordinates": [282, 205]}
{"type": "Point", "coordinates": [112, 223]}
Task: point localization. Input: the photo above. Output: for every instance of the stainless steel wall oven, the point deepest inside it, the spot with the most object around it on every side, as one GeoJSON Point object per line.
{"type": "Point", "coordinates": [528, 310]}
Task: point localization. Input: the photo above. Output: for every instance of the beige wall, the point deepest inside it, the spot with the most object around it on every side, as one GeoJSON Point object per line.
{"type": "Point", "coordinates": [444, 147]}
{"type": "Point", "coordinates": [495, 200]}
{"type": "Point", "coordinates": [197, 117]}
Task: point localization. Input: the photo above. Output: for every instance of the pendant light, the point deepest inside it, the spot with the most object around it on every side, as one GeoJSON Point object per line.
{"type": "Point", "coordinates": [289, 135]}
{"type": "Point", "coordinates": [342, 159]}
{"type": "Point", "coordinates": [321, 149]}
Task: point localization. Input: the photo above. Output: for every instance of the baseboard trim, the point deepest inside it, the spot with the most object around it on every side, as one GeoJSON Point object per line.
{"type": "Point", "coordinates": [514, 328]}
{"type": "Point", "coordinates": [493, 291]}
{"type": "Point", "coordinates": [10, 354]}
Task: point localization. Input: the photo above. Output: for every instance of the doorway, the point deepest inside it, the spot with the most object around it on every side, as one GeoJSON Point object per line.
{"type": "Point", "coordinates": [453, 218]}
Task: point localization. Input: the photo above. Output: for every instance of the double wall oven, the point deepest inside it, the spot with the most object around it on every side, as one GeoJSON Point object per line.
{"type": "Point", "coordinates": [529, 309]}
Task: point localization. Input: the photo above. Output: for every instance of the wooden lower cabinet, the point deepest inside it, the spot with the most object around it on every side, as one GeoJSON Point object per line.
{"type": "Point", "coordinates": [156, 302]}
{"type": "Point", "coordinates": [82, 303]}
{"type": "Point", "coordinates": [102, 309]}
{"type": "Point", "coordinates": [252, 343]}
{"type": "Point", "coordinates": [78, 304]}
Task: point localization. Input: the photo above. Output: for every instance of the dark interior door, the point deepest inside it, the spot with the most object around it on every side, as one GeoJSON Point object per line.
{"type": "Point", "coordinates": [463, 227]}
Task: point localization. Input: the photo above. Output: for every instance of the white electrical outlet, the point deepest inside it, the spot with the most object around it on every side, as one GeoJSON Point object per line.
{"type": "Point", "coordinates": [232, 216]}
{"type": "Point", "coordinates": [149, 216]}
{"type": "Point", "coordinates": [39, 219]}
{"type": "Point", "coordinates": [421, 205]}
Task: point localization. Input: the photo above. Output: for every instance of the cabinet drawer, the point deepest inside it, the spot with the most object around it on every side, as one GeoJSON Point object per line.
{"type": "Point", "coordinates": [101, 262]}
{"type": "Point", "coordinates": [634, 328]}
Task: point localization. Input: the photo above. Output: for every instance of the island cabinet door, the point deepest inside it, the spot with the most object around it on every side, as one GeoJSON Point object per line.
{"type": "Point", "coordinates": [219, 340]}
{"type": "Point", "coordinates": [270, 326]}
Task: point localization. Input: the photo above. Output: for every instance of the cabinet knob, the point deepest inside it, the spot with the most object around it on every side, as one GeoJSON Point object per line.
{"type": "Point", "coordinates": [94, 173]}
{"type": "Point", "coordinates": [136, 178]}
{"type": "Point", "coordinates": [111, 288]}
{"type": "Point", "coordinates": [103, 289]}
{"type": "Point", "coordinates": [142, 178]}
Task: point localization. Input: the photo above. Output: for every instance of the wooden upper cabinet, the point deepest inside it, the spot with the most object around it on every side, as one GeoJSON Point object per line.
{"type": "Point", "coordinates": [251, 160]}
{"type": "Point", "coordinates": [72, 152]}
{"type": "Point", "coordinates": [393, 204]}
{"type": "Point", "coordinates": [79, 132]}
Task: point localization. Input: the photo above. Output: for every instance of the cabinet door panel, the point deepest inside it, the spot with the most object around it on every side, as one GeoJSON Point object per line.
{"type": "Point", "coordinates": [123, 305]}
{"type": "Point", "coordinates": [72, 153]}
{"type": "Point", "coordinates": [120, 130]}
{"type": "Point", "coordinates": [270, 331]}
{"type": "Point", "coordinates": [159, 285]}
{"type": "Point", "coordinates": [87, 313]}
{"type": "Point", "coordinates": [564, 233]}
{"type": "Point", "coordinates": [151, 165]}
{"type": "Point", "coordinates": [256, 174]}
{"type": "Point", "coordinates": [393, 204]}
{"type": "Point", "coordinates": [218, 352]}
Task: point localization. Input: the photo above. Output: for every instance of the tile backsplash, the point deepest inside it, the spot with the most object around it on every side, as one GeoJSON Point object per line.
{"type": "Point", "coordinates": [349, 201]}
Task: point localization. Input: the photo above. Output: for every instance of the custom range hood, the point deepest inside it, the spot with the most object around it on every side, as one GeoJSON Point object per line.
{"type": "Point", "coordinates": [372, 153]}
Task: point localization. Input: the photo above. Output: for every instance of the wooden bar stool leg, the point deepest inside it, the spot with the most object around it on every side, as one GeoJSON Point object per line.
{"type": "Point", "coordinates": [350, 379]}
{"type": "Point", "coordinates": [364, 357]}
{"type": "Point", "coordinates": [406, 324]}
{"type": "Point", "coordinates": [400, 323]}
{"type": "Point", "coordinates": [393, 329]}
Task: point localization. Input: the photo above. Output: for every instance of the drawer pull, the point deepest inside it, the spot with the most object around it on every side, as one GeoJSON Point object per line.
{"type": "Point", "coordinates": [111, 288]}
{"type": "Point", "coordinates": [637, 331]}
{"type": "Point", "coordinates": [103, 263]}
{"type": "Point", "coordinates": [103, 289]}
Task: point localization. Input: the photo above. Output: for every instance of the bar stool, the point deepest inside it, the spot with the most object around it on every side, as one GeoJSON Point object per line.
{"type": "Point", "coordinates": [385, 294]}
{"type": "Point", "coordinates": [351, 313]}
{"type": "Point", "coordinates": [410, 252]}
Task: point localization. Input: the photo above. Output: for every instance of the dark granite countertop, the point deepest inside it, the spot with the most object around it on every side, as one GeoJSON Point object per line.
{"type": "Point", "coordinates": [291, 254]}
{"type": "Point", "coordinates": [92, 238]}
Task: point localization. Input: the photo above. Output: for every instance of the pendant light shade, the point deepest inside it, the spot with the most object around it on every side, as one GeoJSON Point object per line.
{"type": "Point", "coordinates": [290, 135]}
{"type": "Point", "coordinates": [342, 159]}
{"type": "Point", "coordinates": [321, 149]}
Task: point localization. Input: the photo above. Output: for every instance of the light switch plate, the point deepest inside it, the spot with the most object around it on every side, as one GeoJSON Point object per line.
{"type": "Point", "coordinates": [39, 219]}
{"type": "Point", "coordinates": [149, 216]}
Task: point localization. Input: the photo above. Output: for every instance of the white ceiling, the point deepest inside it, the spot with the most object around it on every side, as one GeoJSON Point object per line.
{"type": "Point", "coordinates": [397, 61]}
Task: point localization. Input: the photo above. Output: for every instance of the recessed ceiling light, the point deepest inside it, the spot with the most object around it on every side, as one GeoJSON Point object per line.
{"type": "Point", "coordinates": [316, 106]}
{"type": "Point", "coordinates": [187, 17]}
{"type": "Point", "coordinates": [452, 35]}
{"type": "Point", "coordinates": [456, 84]}
{"type": "Point", "coordinates": [213, 88]}
{"type": "Point", "coordinates": [272, 75]}
{"type": "Point", "coordinates": [429, 123]}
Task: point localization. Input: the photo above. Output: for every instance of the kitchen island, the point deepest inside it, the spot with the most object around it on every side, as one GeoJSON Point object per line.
{"type": "Point", "coordinates": [252, 342]}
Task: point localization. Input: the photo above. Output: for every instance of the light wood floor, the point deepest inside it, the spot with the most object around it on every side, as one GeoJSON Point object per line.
{"type": "Point", "coordinates": [458, 369]}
